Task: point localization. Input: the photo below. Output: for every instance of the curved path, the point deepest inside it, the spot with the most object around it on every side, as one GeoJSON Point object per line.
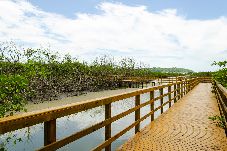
{"type": "Point", "coordinates": [184, 127]}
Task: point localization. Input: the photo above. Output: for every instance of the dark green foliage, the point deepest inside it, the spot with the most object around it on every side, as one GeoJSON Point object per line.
{"type": "Point", "coordinates": [219, 120]}
{"type": "Point", "coordinates": [201, 74]}
{"type": "Point", "coordinates": [221, 75]}
{"type": "Point", "coordinates": [13, 89]}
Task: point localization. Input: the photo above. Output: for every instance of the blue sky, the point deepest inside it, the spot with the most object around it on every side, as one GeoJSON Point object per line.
{"type": "Point", "coordinates": [162, 33]}
{"type": "Point", "coordinates": [192, 9]}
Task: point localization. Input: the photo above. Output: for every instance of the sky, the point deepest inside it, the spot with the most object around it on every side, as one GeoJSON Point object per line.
{"type": "Point", "coordinates": [162, 33]}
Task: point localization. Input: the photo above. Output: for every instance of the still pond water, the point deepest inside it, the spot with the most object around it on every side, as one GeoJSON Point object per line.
{"type": "Point", "coordinates": [32, 137]}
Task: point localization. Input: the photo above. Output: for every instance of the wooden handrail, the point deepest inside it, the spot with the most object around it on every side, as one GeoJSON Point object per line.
{"type": "Point", "coordinates": [221, 96]}
{"type": "Point", "coordinates": [49, 116]}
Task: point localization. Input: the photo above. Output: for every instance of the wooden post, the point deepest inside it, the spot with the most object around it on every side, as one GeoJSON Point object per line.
{"type": "Point", "coordinates": [137, 113]}
{"type": "Point", "coordinates": [152, 104]}
{"type": "Point", "coordinates": [178, 91]}
{"type": "Point", "coordinates": [175, 93]}
{"type": "Point", "coordinates": [169, 96]}
{"type": "Point", "coordinates": [108, 127]}
{"type": "Point", "coordinates": [182, 90]}
{"type": "Point", "coordinates": [49, 132]}
{"type": "Point", "coordinates": [161, 100]}
{"type": "Point", "coordinates": [188, 86]}
{"type": "Point", "coordinates": [130, 84]}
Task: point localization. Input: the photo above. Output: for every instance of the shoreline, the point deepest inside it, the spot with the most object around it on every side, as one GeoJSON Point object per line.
{"type": "Point", "coordinates": [31, 106]}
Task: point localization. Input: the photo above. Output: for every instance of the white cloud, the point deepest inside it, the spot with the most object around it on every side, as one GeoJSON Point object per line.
{"type": "Point", "coordinates": [162, 38]}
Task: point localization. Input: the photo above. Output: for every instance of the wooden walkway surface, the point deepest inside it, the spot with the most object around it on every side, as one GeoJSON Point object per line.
{"type": "Point", "coordinates": [184, 127]}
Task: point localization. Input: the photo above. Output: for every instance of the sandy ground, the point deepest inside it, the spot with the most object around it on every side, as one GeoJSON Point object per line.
{"type": "Point", "coordinates": [91, 95]}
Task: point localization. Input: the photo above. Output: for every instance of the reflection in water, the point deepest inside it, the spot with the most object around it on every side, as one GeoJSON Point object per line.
{"type": "Point", "coordinates": [32, 137]}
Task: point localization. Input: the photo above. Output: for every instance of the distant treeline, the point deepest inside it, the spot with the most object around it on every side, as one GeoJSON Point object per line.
{"type": "Point", "coordinates": [171, 70]}
{"type": "Point", "coordinates": [201, 74]}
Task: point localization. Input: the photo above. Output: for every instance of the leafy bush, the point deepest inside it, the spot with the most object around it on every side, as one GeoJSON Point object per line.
{"type": "Point", "coordinates": [13, 90]}
{"type": "Point", "coordinates": [218, 120]}
{"type": "Point", "coordinates": [221, 75]}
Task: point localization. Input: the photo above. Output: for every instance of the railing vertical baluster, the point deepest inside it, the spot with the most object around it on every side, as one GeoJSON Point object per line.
{"type": "Point", "coordinates": [108, 127]}
{"type": "Point", "coordinates": [182, 89]}
{"type": "Point", "coordinates": [190, 85]}
{"type": "Point", "coordinates": [137, 113]}
{"type": "Point", "coordinates": [175, 93]}
{"type": "Point", "coordinates": [169, 96]}
{"type": "Point", "coordinates": [187, 86]}
{"type": "Point", "coordinates": [49, 132]}
{"type": "Point", "coordinates": [161, 100]}
{"type": "Point", "coordinates": [178, 91]}
{"type": "Point", "coordinates": [152, 104]}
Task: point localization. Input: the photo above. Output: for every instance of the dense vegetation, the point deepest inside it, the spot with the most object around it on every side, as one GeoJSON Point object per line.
{"type": "Point", "coordinates": [39, 75]}
{"type": "Point", "coordinates": [221, 75]}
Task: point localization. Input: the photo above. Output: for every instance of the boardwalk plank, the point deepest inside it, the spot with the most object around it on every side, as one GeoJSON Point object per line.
{"type": "Point", "coordinates": [183, 127]}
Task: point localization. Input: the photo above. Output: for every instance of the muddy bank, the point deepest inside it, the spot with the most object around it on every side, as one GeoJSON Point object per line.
{"type": "Point", "coordinates": [67, 100]}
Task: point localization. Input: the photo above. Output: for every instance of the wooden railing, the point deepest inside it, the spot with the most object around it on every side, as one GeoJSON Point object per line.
{"type": "Point", "coordinates": [136, 81]}
{"type": "Point", "coordinates": [181, 78]}
{"type": "Point", "coordinates": [206, 79]}
{"type": "Point", "coordinates": [49, 116]}
{"type": "Point", "coordinates": [221, 96]}
{"type": "Point", "coordinates": [167, 80]}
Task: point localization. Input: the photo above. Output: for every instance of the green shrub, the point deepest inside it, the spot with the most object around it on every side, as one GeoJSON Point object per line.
{"type": "Point", "coordinates": [221, 75]}
{"type": "Point", "coordinates": [13, 89]}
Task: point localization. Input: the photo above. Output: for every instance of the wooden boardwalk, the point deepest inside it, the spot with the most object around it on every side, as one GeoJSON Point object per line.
{"type": "Point", "coordinates": [184, 127]}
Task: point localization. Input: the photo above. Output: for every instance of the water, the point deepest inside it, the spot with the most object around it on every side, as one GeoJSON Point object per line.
{"type": "Point", "coordinates": [32, 137]}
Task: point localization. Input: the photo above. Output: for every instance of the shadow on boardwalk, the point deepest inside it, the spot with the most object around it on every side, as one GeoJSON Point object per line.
{"type": "Point", "coordinates": [185, 126]}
